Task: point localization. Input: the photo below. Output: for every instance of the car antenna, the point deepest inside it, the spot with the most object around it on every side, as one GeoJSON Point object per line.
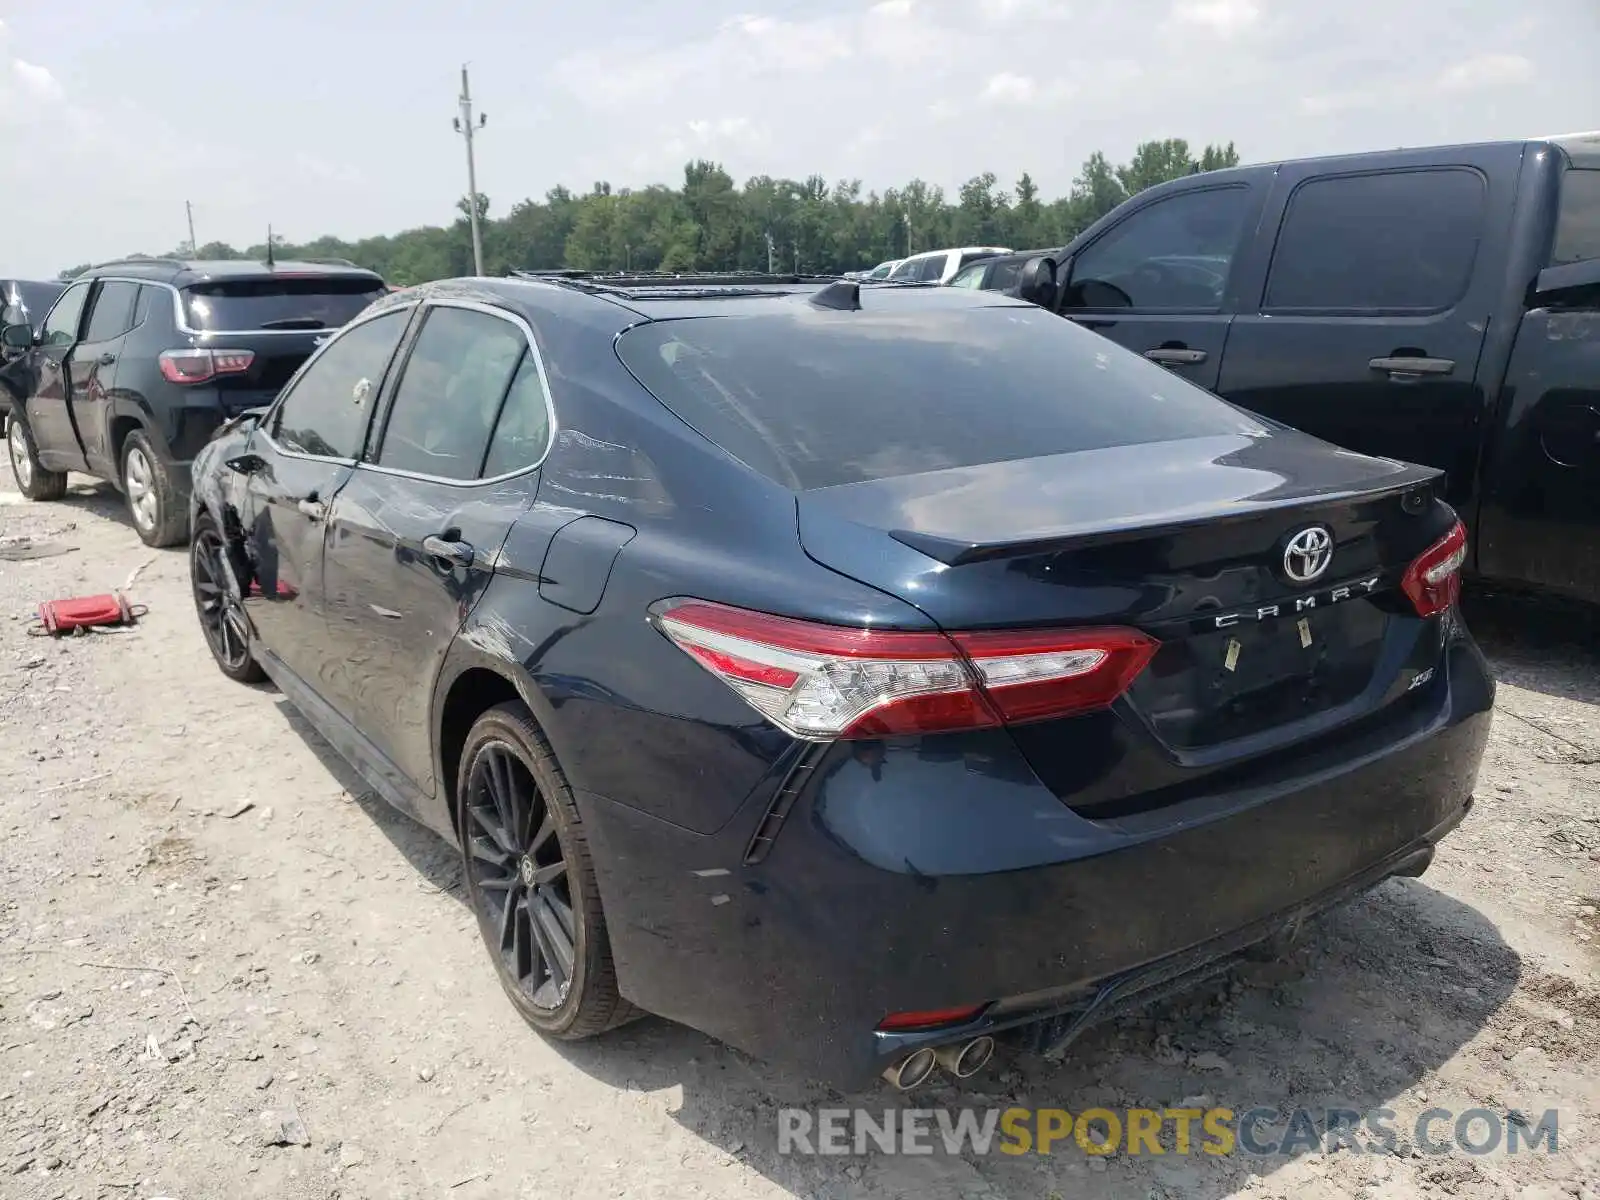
{"type": "Point", "coordinates": [843, 294]}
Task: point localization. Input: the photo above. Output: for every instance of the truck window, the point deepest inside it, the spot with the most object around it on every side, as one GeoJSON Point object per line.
{"type": "Point", "coordinates": [1402, 241]}
{"type": "Point", "coordinates": [1176, 253]}
{"type": "Point", "coordinates": [1578, 227]}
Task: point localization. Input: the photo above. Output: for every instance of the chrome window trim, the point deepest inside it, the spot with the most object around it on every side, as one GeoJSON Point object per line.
{"type": "Point", "coordinates": [264, 426]}
{"type": "Point", "coordinates": [544, 383]}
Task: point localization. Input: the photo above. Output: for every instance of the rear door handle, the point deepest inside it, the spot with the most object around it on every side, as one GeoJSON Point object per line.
{"type": "Point", "coordinates": [107, 359]}
{"type": "Point", "coordinates": [1406, 364]}
{"type": "Point", "coordinates": [312, 507]}
{"type": "Point", "coordinates": [448, 550]}
{"type": "Point", "coordinates": [1172, 356]}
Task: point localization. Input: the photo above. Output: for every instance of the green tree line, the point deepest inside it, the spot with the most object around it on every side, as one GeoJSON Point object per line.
{"type": "Point", "coordinates": [711, 223]}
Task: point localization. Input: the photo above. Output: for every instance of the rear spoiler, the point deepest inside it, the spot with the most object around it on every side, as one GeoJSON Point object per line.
{"type": "Point", "coordinates": [957, 553]}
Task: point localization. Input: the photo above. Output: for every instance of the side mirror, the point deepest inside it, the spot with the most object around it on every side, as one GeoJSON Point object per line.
{"type": "Point", "coordinates": [246, 464]}
{"type": "Point", "coordinates": [1036, 283]}
{"type": "Point", "coordinates": [17, 337]}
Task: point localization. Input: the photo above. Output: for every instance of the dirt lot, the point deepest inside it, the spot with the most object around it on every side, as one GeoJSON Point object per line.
{"type": "Point", "coordinates": [190, 987]}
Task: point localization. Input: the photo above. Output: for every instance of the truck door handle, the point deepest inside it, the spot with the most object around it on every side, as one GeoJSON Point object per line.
{"type": "Point", "coordinates": [1406, 364]}
{"type": "Point", "coordinates": [1175, 356]}
{"type": "Point", "coordinates": [312, 507]}
{"type": "Point", "coordinates": [448, 550]}
{"type": "Point", "coordinates": [106, 359]}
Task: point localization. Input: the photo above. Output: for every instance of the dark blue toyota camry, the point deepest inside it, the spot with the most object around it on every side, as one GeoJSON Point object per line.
{"type": "Point", "coordinates": [852, 673]}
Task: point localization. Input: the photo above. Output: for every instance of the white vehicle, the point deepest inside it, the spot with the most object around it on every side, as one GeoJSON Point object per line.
{"type": "Point", "coordinates": [880, 272]}
{"type": "Point", "coordinates": [940, 266]}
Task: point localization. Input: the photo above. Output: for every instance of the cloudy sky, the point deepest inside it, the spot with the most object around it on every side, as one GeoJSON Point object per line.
{"type": "Point", "coordinates": [333, 116]}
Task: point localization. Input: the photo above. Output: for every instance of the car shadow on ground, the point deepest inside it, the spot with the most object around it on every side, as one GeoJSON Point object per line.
{"type": "Point", "coordinates": [98, 497]}
{"type": "Point", "coordinates": [1371, 999]}
{"type": "Point", "coordinates": [1541, 643]}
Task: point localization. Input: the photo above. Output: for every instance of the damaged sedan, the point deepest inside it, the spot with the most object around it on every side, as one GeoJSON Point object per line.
{"type": "Point", "coordinates": [855, 673]}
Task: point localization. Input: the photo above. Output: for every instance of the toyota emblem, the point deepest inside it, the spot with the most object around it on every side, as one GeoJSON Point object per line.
{"type": "Point", "coordinates": [1308, 554]}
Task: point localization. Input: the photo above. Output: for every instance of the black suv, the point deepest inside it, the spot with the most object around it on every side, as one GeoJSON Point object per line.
{"type": "Point", "coordinates": [138, 363]}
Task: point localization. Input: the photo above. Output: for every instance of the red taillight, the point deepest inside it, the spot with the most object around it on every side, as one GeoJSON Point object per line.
{"type": "Point", "coordinates": [827, 681]}
{"type": "Point", "coordinates": [197, 366]}
{"type": "Point", "coordinates": [1433, 580]}
{"type": "Point", "coordinates": [932, 1018]}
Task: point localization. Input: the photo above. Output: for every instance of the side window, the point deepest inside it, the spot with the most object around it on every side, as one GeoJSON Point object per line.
{"type": "Point", "coordinates": [1175, 253]}
{"type": "Point", "coordinates": [970, 277]}
{"type": "Point", "coordinates": [1005, 275]}
{"type": "Point", "coordinates": [1403, 241]}
{"type": "Point", "coordinates": [1578, 228]}
{"type": "Point", "coordinates": [112, 314]}
{"type": "Point", "coordinates": [450, 393]}
{"type": "Point", "coordinates": [61, 326]}
{"type": "Point", "coordinates": [326, 410]}
{"type": "Point", "coordinates": [933, 268]}
{"type": "Point", "coordinates": [522, 434]}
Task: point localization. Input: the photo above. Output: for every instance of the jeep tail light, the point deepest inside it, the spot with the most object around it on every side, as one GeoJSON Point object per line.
{"type": "Point", "coordinates": [821, 682]}
{"type": "Point", "coordinates": [198, 366]}
{"type": "Point", "coordinates": [1433, 580]}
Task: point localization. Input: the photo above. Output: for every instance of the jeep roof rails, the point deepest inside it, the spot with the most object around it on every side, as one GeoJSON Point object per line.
{"type": "Point", "coordinates": [333, 262]}
{"type": "Point", "coordinates": [154, 260]}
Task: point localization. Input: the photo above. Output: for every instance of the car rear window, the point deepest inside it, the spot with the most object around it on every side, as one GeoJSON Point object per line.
{"type": "Point", "coordinates": [813, 400]}
{"type": "Point", "coordinates": [316, 302]}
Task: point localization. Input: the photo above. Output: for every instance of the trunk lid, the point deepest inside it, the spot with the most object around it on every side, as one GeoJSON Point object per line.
{"type": "Point", "coordinates": [1187, 540]}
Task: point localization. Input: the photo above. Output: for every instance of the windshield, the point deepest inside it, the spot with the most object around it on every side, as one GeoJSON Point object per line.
{"type": "Point", "coordinates": [301, 302]}
{"type": "Point", "coordinates": [812, 400]}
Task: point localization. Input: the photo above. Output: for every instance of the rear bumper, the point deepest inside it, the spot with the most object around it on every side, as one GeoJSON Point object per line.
{"type": "Point", "coordinates": [925, 875]}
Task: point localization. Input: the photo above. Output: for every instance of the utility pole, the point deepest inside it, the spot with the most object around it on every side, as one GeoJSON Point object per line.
{"type": "Point", "coordinates": [769, 252]}
{"type": "Point", "coordinates": [466, 129]}
{"type": "Point", "coordinates": [189, 210]}
{"type": "Point", "coordinates": [908, 233]}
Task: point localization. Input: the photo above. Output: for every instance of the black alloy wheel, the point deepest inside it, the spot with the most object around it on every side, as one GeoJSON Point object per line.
{"type": "Point", "coordinates": [521, 875]}
{"type": "Point", "coordinates": [530, 879]}
{"type": "Point", "coordinates": [222, 619]}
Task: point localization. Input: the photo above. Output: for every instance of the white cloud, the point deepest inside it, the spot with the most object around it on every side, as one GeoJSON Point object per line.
{"type": "Point", "coordinates": [1485, 70]}
{"type": "Point", "coordinates": [1478, 73]}
{"type": "Point", "coordinates": [1223, 17]}
{"type": "Point", "coordinates": [1002, 12]}
{"type": "Point", "coordinates": [1009, 88]}
{"type": "Point", "coordinates": [729, 131]}
{"type": "Point", "coordinates": [35, 81]}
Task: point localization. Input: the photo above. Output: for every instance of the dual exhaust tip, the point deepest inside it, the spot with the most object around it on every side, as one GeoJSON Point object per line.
{"type": "Point", "coordinates": [961, 1059]}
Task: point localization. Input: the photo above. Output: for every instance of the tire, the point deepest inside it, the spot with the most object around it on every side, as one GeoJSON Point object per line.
{"type": "Point", "coordinates": [222, 620]}
{"type": "Point", "coordinates": [505, 746]}
{"type": "Point", "coordinates": [33, 480]}
{"type": "Point", "coordinates": [159, 515]}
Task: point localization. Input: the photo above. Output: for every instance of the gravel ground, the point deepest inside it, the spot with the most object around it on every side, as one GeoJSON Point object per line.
{"type": "Point", "coordinates": [225, 971]}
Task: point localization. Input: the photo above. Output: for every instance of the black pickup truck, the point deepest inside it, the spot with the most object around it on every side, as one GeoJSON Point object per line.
{"type": "Point", "coordinates": [1438, 305]}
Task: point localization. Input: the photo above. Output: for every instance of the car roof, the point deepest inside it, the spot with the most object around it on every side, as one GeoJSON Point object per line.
{"type": "Point", "coordinates": [655, 300]}
{"type": "Point", "coordinates": [182, 272]}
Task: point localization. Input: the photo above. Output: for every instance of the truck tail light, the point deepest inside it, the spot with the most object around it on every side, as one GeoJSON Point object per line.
{"type": "Point", "coordinates": [1433, 580]}
{"type": "Point", "coordinates": [822, 682]}
{"type": "Point", "coordinates": [198, 366]}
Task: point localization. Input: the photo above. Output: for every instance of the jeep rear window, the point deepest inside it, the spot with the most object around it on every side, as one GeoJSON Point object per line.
{"type": "Point", "coordinates": [1578, 228]}
{"type": "Point", "coordinates": [815, 399]}
{"type": "Point", "coordinates": [303, 302]}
